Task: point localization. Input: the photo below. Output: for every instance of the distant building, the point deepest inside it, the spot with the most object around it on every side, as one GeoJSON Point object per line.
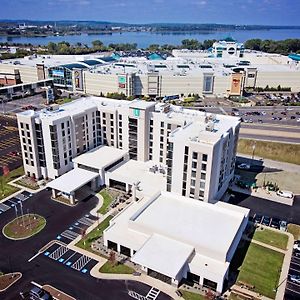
{"type": "Point", "coordinates": [228, 48]}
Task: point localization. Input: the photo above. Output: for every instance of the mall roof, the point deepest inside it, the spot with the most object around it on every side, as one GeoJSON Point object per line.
{"type": "Point", "coordinates": [72, 180]}
{"type": "Point", "coordinates": [100, 157]}
{"type": "Point", "coordinates": [159, 251]}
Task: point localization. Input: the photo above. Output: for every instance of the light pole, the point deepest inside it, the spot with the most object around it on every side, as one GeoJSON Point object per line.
{"type": "Point", "coordinates": [253, 149]}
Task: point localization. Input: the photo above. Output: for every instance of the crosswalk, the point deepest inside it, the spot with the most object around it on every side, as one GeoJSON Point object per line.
{"type": "Point", "coordinates": [71, 235]}
{"type": "Point", "coordinates": [136, 295]}
{"type": "Point", "coordinates": [58, 252]}
{"type": "Point", "coordinates": [85, 221]}
{"type": "Point", "coordinates": [4, 207]}
{"type": "Point", "coordinates": [153, 294]}
{"type": "Point", "coordinates": [81, 262]}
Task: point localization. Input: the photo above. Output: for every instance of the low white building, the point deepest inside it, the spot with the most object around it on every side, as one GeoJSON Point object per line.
{"type": "Point", "coordinates": [173, 237]}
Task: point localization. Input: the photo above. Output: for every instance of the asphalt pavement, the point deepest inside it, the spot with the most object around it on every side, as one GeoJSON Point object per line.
{"type": "Point", "coordinates": [291, 214]}
{"type": "Point", "coordinates": [14, 256]}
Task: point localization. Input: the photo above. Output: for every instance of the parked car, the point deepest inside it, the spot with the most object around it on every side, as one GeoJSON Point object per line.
{"type": "Point", "coordinates": [297, 242]}
{"type": "Point", "coordinates": [266, 221]}
{"type": "Point", "coordinates": [283, 226]}
{"type": "Point", "coordinates": [244, 166]}
{"type": "Point", "coordinates": [258, 219]}
{"type": "Point", "coordinates": [296, 253]}
{"type": "Point", "coordinates": [275, 223]}
{"type": "Point", "coordinates": [296, 247]}
{"type": "Point", "coordinates": [285, 194]}
{"type": "Point", "coordinates": [295, 278]}
{"type": "Point", "coordinates": [37, 293]}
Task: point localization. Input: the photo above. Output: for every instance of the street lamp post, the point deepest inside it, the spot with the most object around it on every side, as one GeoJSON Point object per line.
{"type": "Point", "coordinates": [253, 149]}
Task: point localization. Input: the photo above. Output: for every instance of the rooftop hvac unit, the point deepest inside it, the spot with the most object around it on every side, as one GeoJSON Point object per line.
{"type": "Point", "coordinates": [210, 127]}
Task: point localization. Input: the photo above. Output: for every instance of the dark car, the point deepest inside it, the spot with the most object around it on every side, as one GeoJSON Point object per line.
{"type": "Point", "coordinates": [275, 223]}
{"type": "Point", "coordinates": [296, 253]}
{"type": "Point", "coordinates": [258, 219]}
{"type": "Point", "coordinates": [37, 293]}
{"type": "Point", "coordinates": [266, 221]}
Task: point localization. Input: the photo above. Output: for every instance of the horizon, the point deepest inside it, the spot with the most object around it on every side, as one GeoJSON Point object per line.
{"type": "Point", "coordinates": [235, 12]}
{"type": "Point", "coordinates": [152, 23]}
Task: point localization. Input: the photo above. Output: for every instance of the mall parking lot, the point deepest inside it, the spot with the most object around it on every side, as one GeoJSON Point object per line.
{"type": "Point", "coordinates": [10, 149]}
{"type": "Point", "coordinates": [293, 289]}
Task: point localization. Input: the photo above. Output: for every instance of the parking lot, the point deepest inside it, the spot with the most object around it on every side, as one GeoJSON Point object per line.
{"type": "Point", "coordinates": [76, 229]}
{"type": "Point", "coordinates": [10, 149]}
{"type": "Point", "coordinates": [69, 258]}
{"type": "Point", "coordinates": [292, 290]}
{"type": "Point", "coordinates": [269, 221]}
{"type": "Point", "coordinates": [14, 202]}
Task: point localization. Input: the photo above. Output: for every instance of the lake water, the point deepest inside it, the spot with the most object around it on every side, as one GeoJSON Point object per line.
{"type": "Point", "coordinates": [144, 39]}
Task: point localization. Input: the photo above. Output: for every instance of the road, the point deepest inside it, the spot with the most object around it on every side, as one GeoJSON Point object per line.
{"type": "Point", "coordinates": [14, 256]}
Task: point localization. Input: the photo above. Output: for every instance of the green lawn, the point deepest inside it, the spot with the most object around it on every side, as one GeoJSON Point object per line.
{"type": "Point", "coordinates": [191, 296]}
{"type": "Point", "coordinates": [118, 268]}
{"type": "Point", "coordinates": [271, 237]}
{"type": "Point", "coordinates": [261, 268]}
{"type": "Point", "coordinates": [63, 100]}
{"type": "Point", "coordinates": [94, 235]}
{"type": "Point", "coordinates": [107, 199]}
{"type": "Point", "coordinates": [5, 188]}
{"type": "Point", "coordinates": [272, 150]}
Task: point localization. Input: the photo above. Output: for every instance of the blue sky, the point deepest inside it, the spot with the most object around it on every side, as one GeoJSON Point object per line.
{"type": "Point", "coordinates": [267, 12]}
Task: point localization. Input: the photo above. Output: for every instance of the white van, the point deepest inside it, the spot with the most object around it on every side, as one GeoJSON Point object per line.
{"type": "Point", "coordinates": [285, 194]}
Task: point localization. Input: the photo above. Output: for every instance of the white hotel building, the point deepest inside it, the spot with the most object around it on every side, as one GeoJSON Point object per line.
{"type": "Point", "coordinates": [196, 150]}
{"type": "Point", "coordinates": [169, 157]}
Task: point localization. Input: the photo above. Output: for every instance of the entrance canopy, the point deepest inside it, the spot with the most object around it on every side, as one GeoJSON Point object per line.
{"type": "Point", "coordinates": [163, 255]}
{"type": "Point", "coordinates": [72, 181]}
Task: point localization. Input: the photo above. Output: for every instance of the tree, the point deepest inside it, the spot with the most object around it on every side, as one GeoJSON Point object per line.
{"type": "Point", "coordinates": [112, 257]}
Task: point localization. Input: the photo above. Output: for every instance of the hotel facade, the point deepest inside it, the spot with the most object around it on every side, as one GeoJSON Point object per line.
{"type": "Point", "coordinates": [195, 150]}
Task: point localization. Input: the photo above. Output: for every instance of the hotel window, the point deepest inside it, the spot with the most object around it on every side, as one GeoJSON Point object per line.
{"type": "Point", "coordinates": [169, 126]}
{"type": "Point", "coordinates": [203, 167]}
{"type": "Point", "coordinates": [204, 157]}
{"type": "Point", "coordinates": [202, 185]}
{"type": "Point", "coordinates": [162, 124]}
{"type": "Point", "coordinates": [194, 165]}
{"type": "Point", "coordinates": [193, 182]}
{"type": "Point", "coordinates": [203, 176]}
{"type": "Point", "coordinates": [27, 126]}
{"type": "Point", "coordinates": [195, 155]}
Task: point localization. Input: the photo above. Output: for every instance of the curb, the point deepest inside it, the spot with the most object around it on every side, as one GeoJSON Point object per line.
{"type": "Point", "coordinates": [19, 273]}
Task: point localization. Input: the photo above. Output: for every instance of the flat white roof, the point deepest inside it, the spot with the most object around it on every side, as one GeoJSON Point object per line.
{"type": "Point", "coordinates": [72, 180]}
{"type": "Point", "coordinates": [100, 157]}
{"type": "Point", "coordinates": [158, 252]}
{"type": "Point", "coordinates": [133, 171]}
{"type": "Point", "coordinates": [209, 228]}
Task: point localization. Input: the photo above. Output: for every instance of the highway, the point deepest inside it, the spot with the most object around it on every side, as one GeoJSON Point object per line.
{"type": "Point", "coordinates": [275, 123]}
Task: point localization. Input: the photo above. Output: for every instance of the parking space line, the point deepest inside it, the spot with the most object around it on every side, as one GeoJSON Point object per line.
{"type": "Point", "coordinates": [58, 252]}
{"type": "Point", "coordinates": [292, 290]}
{"type": "Point", "coordinates": [80, 262]}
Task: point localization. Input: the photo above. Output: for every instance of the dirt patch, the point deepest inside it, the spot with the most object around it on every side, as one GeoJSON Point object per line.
{"type": "Point", "coordinates": [8, 279]}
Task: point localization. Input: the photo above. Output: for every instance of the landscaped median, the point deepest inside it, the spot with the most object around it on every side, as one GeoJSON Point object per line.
{"type": "Point", "coordinates": [271, 237]}
{"type": "Point", "coordinates": [107, 199]}
{"type": "Point", "coordinates": [24, 227]}
{"type": "Point", "coordinates": [7, 280]}
{"type": "Point", "coordinates": [95, 234]}
{"type": "Point", "coordinates": [191, 296]}
{"type": "Point", "coordinates": [116, 268]}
